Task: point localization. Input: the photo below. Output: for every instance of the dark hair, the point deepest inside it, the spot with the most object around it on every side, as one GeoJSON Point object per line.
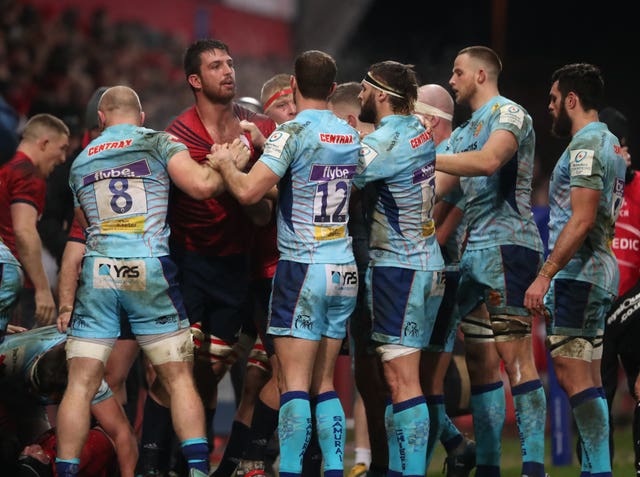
{"type": "Point", "coordinates": [50, 375]}
{"type": "Point", "coordinates": [616, 122]}
{"type": "Point", "coordinates": [31, 467]}
{"type": "Point", "coordinates": [192, 60]}
{"type": "Point", "coordinates": [315, 73]}
{"type": "Point", "coordinates": [401, 78]}
{"type": "Point", "coordinates": [91, 111]}
{"type": "Point", "coordinates": [584, 80]}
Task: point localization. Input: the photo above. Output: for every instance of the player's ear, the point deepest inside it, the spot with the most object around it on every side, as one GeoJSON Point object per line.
{"type": "Point", "coordinates": [194, 81]}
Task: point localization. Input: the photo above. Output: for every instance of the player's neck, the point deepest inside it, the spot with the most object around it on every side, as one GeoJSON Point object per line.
{"type": "Point", "coordinates": [218, 119]}
{"type": "Point", "coordinates": [306, 103]}
{"type": "Point", "coordinates": [482, 97]}
{"type": "Point", "coordinates": [581, 120]}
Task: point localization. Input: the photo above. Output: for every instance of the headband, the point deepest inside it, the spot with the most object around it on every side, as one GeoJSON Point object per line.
{"type": "Point", "coordinates": [423, 108]}
{"type": "Point", "coordinates": [282, 92]}
{"type": "Point", "coordinates": [371, 81]}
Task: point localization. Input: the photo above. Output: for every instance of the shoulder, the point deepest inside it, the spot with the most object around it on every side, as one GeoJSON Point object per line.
{"type": "Point", "coordinates": [188, 119]}
{"type": "Point", "coordinates": [264, 122]}
{"type": "Point", "coordinates": [510, 112]}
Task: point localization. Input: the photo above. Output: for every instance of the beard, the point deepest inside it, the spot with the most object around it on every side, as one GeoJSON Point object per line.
{"type": "Point", "coordinates": [368, 111]}
{"type": "Point", "coordinates": [217, 97]}
{"type": "Point", "coordinates": [561, 126]}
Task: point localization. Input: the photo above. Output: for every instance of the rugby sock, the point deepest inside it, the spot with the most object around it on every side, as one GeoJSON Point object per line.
{"type": "Point", "coordinates": [238, 440]}
{"type": "Point", "coordinates": [362, 455]}
{"type": "Point", "coordinates": [530, 405]}
{"type": "Point", "coordinates": [157, 433]}
{"type": "Point", "coordinates": [488, 411]}
{"type": "Point", "coordinates": [450, 437]}
{"type": "Point", "coordinates": [435, 404]}
{"type": "Point", "coordinates": [377, 471]}
{"type": "Point", "coordinates": [411, 418]}
{"type": "Point", "coordinates": [332, 430]}
{"type": "Point", "coordinates": [196, 452]}
{"type": "Point", "coordinates": [603, 395]}
{"type": "Point", "coordinates": [67, 467]}
{"type": "Point", "coordinates": [263, 425]}
{"type": "Point", "coordinates": [312, 458]}
{"type": "Point", "coordinates": [209, 417]}
{"type": "Point", "coordinates": [294, 431]}
{"type": "Point", "coordinates": [395, 464]}
{"type": "Point", "coordinates": [592, 419]}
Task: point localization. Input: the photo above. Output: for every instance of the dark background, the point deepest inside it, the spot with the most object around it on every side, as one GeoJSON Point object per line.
{"type": "Point", "coordinates": [533, 38]}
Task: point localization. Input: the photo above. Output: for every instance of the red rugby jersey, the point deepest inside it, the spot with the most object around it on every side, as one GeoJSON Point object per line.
{"type": "Point", "coordinates": [626, 241]}
{"type": "Point", "coordinates": [19, 182]}
{"type": "Point", "coordinates": [214, 226]}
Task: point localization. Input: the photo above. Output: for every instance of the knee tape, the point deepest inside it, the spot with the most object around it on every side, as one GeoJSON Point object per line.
{"type": "Point", "coordinates": [99, 349]}
{"type": "Point", "coordinates": [387, 352]}
{"type": "Point", "coordinates": [166, 348]}
{"type": "Point", "coordinates": [476, 329]}
{"type": "Point", "coordinates": [510, 328]}
{"type": "Point", "coordinates": [210, 348]}
{"type": "Point", "coordinates": [258, 356]}
{"type": "Point", "coordinates": [575, 347]}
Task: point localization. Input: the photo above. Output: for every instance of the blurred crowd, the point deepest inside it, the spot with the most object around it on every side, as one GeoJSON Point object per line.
{"type": "Point", "coordinates": [52, 62]}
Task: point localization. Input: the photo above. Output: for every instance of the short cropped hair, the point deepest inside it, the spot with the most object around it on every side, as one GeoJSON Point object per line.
{"type": "Point", "coordinates": [488, 56]}
{"type": "Point", "coordinates": [50, 375]}
{"type": "Point", "coordinates": [315, 73]}
{"type": "Point", "coordinates": [347, 93]}
{"type": "Point", "coordinates": [273, 85]}
{"type": "Point", "coordinates": [38, 124]}
{"type": "Point", "coordinates": [584, 80]}
{"type": "Point", "coordinates": [120, 98]}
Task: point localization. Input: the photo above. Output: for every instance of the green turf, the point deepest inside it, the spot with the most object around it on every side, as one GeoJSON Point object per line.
{"type": "Point", "coordinates": [622, 465]}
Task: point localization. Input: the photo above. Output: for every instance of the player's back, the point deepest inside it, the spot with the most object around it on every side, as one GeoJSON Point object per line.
{"type": "Point", "coordinates": [19, 351]}
{"type": "Point", "coordinates": [316, 155]}
{"type": "Point", "coordinates": [121, 182]}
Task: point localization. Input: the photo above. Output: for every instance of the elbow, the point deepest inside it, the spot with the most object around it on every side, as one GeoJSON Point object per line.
{"type": "Point", "coordinates": [200, 194]}
{"type": "Point", "coordinates": [590, 224]}
{"type": "Point", "coordinates": [247, 197]}
{"type": "Point", "coordinates": [206, 191]}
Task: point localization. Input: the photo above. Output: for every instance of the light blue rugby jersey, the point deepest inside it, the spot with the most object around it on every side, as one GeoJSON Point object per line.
{"type": "Point", "coordinates": [121, 182]}
{"type": "Point", "coordinates": [592, 160]}
{"type": "Point", "coordinates": [498, 207]}
{"type": "Point", "coordinates": [6, 256]}
{"type": "Point", "coordinates": [452, 248]}
{"type": "Point", "coordinates": [315, 154]}
{"type": "Point", "coordinates": [20, 351]}
{"type": "Point", "coordinates": [400, 157]}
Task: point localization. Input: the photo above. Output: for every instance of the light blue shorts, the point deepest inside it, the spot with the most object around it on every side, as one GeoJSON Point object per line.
{"type": "Point", "coordinates": [312, 300]}
{"type": "Point", "coordinates": [499, 277]}
{"type": "Point", "coordinates": [443, 336]}
{"type": "Point", "coordinates": [144, 289]}
{"type": "Point", "coordinates": [576, 308]}
{"type": "Point", "coordinates": [404, 304]}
